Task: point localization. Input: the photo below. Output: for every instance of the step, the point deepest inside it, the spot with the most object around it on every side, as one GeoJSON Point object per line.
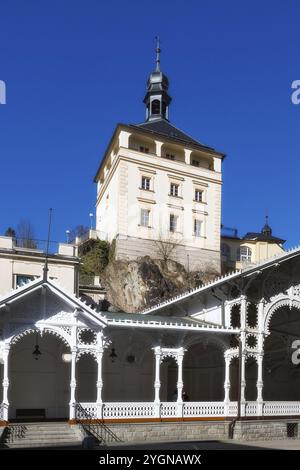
{"type": "Point", "coordinates": [66, 443]}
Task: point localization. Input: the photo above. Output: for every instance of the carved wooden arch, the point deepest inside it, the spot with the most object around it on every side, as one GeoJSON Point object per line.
{"type": "Point", "coordinates": [55, 331]}
{"type": "Point", "coordinates": [276, 305]}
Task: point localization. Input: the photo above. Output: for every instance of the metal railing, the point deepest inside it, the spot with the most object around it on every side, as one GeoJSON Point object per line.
{"type": "Point", "coordinates": [94, 428]}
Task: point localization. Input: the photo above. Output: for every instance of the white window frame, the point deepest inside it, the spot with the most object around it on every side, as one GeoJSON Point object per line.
{"type": "Point", "coordinates": [198, 192]}
{"type": "Point", "coordinates": [145, 217]}
{"type": "Point", "coordinates": [198, 233]}
{"type": "Point", "coordinates": [146, 181]}
{"type": "Point", "coordinates": [174, 186]}
{"type": "Point", "coordinates": [244, 254]}
{"type": "Point", "coordinates": [173, 226]}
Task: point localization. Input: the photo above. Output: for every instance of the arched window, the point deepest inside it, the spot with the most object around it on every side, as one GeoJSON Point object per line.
{"type": "Point", "coordinates": [155, 107]}
{"type": "Point", "coordinates": [244, 253]}
{"type": "Point", "coordinates": [225, 250]}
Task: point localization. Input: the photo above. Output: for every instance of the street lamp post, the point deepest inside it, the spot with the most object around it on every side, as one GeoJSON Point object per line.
{"type": "Point", "coordinates": [68, 236]}
{"type": "Point", "coordinates": [91, 220]}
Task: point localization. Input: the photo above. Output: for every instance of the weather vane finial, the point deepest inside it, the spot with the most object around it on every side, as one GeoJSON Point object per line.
{"type": "Point", "coordinates": [157, 50]}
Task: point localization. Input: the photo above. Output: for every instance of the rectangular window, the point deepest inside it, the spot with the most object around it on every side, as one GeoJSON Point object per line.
{"type": "Point", "coordinates": [170, 156]}
{"type": "Point", "coordinates": [195, 163]}
{"type": "Point", "coordinates": [21, 279]}
{"type": "Point", "coordinates": [197, 228]}
{"type": "Point", "coordinates": [145, 217]}
{"type": "Point", "coordinates": [174, 189]}
{"type": "Point", "coordinates": [144, 149]}
{"type": "Point", "coordinates": [173, 223]}
{"type": "Point", "coordinates": [146, 183]}
{"type": "Point", "coordinates": [198, 195]}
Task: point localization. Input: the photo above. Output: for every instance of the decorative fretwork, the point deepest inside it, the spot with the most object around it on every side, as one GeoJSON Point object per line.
{"type": "Point", "coordinates": [296, 291]}
{"type": "Point", "coordinates": [55, 332]}
{"type": "Point", "coordinates": [235, 316]}
{"type": "Point", "coordinates": [169, 354]}
{"type": "Point", "coordinates": [66, 329]}
{"type": "Point", "coordinates": [86, 336]}
{"type": "Point", "coordinates": [86, 352]}
{"type": "Point", "coordinates": [251, 341]}
{"type": "Point", "coordinates": [252, 316]}
{"type": "Point", "coordinates": [280, 303]}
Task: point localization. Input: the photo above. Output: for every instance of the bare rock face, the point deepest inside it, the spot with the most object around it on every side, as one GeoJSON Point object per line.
{"type": "Point", "coordinates": [135, 285]}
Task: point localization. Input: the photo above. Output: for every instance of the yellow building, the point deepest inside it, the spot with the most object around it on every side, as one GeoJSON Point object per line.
{"type": "Point", "coordinates": [237, 253]}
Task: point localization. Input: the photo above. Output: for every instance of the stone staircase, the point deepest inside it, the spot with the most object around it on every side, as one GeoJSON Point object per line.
{"type": "Point", "coordinates": [52, 434]}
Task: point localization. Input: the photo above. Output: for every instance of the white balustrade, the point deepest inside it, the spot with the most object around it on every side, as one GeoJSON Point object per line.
{"type": "Point", "coordinates": [251, 408]}
{"type": "Point", "coordinates": [199, 409]}
{"type": "Point", "coordinates": [232, 408]}
{"type": "Point", "coordinates": [281, 408]}
{"type": "Point", "coordinates": [89, 409]}
{"type": "Point", "coordinates": [128, 410]}
{"type": "Point", "coordinates": [144, 410]}
{"type": "Point", "coordinates": [168, 409]}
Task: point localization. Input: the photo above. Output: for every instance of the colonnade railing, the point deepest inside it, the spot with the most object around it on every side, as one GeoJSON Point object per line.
{"type": "Point", "coordinates": [143, 410]}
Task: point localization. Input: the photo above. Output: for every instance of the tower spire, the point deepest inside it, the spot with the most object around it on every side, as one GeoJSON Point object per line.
{"type": "Point", "coordinates": [157, 99]}
{"type": "Point", "coordinates": [158, 51]}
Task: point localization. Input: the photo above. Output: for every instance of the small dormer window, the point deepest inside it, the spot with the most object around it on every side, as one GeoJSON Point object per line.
{"type": "Point", "coordinates": [144, 149]}
{"type": "Point", "coordinates": [170, 156]}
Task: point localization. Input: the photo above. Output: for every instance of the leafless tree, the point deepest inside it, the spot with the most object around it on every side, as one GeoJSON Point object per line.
{"type": "Point", "coordinates": [10, 232]}
{"type": "Point", "coordinates": [166, 246]}
{"type": "Point", "coordinates": [78, 231]}
{"type": "Point", "coordinates": [25, 234]}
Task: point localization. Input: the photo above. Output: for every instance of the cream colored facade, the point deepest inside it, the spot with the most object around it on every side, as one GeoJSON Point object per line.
{"type": "Point", "coordinates": [121, 197]}
{"type": "Point", "coordinates": [253, 251]}
{"type": "Point", "coordinates": [19, 265]}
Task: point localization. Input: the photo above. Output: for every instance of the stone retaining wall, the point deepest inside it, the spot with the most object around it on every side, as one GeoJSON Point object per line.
{"type": "Point", "coordinates": [203, 430]}
{"type": "Point", "coordinates": [141, 432]}
{"type": "Point", "coordinates": [264, 430]}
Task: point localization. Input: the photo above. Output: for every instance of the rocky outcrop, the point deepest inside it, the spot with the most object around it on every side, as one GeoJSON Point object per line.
{"type": "Point", "coordinates": [134, 285]}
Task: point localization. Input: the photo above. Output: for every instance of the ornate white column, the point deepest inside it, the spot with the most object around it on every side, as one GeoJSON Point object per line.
{"type": "Point", "coordinates": [99, 383]}
{"type": "Point", "coordinates": [227, 384]}
{"type": "Point", "coordinates": [73, 384]}
{"type": "Point", "coordinates": [243, 355]}
{"type": "Point", "coordinates": [5, 382]}
{"type": "Point", "coordinates": [260, 357]}
{"type": "Point", "coordinates": [180, 355]}
{"type": "Point", "coordinates": [260, 384]}
{"type": "Point", "coordinates": [157, 352]}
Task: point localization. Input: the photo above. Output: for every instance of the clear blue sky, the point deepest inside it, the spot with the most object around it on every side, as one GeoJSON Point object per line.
{"type": "Point", "coordinates": [75, 68]}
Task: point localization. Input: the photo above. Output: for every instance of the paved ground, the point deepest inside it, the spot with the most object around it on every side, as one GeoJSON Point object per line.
{"type": "Point", "coordinates": [288, 444]}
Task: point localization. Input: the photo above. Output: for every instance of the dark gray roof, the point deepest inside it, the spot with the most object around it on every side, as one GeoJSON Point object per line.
{"type": "Point", "coordinates": [163, 127]}
{"type": "Point", "coordinates": [262, 237]}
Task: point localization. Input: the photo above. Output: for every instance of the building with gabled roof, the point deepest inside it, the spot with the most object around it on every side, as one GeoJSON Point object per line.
{"type": "Point", "coordinates": [156, 184]}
